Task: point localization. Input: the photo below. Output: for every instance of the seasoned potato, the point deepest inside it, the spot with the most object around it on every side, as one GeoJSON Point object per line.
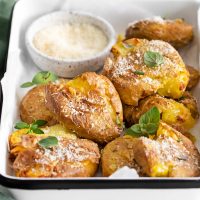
{"type": "Point", "coordinates": [169, 154]}
{"type": "Point", "coordinates": [88, 105]}
{"type": "Point", "coordinates": [70, 158]}
{"type": "Point", "coordinates": [33, 107]}
{"type": "Point", "coordinates": [17, 137]}
{"type": "Point", "coordinates": [174, 113]}
{"type": "Point", "coordinates": [191, 103]}
{"type": "Point", "coordinates": [176, 32]}
{"type": "Point", "coordinates": [194, 77]}
{"type": "Point", "coordinates": [117, 154]}
{"type": "Point", "coordinates": [135, 80]}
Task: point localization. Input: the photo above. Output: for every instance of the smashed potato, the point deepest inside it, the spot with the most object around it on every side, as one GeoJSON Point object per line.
{"type": "Point", "coordinates": [169, 154]}
{"type": "Point", "coordinates": [88, 105]}
{"type": "Point", "coordinates": [32, 107]}
{"type": "Point", "coordinates": [117, 154]}
{"type": "Point", "coordinates": [190, 102]}
{"type": "Point", "coordinates": [70, 158]}
{"type": "Point", "coordinates": [194, 77]}
{"type": "Point", "coordinates": [17, 137]}
{"type": "Point", "coordinates": [176, 32]}
{"type": "Point", "coordinates": [135, 80]}
{"type": "Point", "coordinates": [174, 113]}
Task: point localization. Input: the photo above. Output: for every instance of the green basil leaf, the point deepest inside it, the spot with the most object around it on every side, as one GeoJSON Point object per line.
{"type": "Point", "coordinates": [44, 77]}
{"type": "Point", "coordinates": [151, 116]}
{"type": "Point", "coordinates": [21, 125]}
{"type": "Point", "coordinates": [40, 122]}
{"type": "Point", "coordinates": [37, 131]}
{"type": "Point", "coordinates": [27, 84]}
{"type": "Point", "coordinates": [153, 59]}
{"type": "Point", "coordinates": [149, 129]}
{"type": "Point", "coordinates": [138, 72]}
{"type": "Point", "coordinates": [48, 142]}
{"type": "Point", "coordinates": [134, 130]}
{"type": "Point", "coordinates": [33, 126]}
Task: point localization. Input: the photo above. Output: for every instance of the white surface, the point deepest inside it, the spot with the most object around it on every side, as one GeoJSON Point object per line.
{"type": "Point", "coordinates": [20, 69]}
{"type": "Point", "coordinates": [117, 194]}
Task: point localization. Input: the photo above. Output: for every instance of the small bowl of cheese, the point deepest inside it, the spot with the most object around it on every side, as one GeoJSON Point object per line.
{"type": "Point", "coordinates": [70, 43]}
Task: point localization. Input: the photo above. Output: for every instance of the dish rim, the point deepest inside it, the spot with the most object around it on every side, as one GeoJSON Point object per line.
{"type": "Point", "coordinates": [95, 183]}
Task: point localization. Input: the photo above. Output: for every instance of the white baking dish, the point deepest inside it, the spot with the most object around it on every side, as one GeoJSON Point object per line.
{"type": "Point", "coordinates": [20, 68]}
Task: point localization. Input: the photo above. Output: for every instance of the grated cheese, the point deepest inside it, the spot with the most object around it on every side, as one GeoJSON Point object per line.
{"type": "Point", "coordinates": [70, 41]}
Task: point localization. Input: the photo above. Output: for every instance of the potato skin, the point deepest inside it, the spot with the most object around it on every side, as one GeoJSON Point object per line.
{"type": "Point", "coordinates": [168, 79]}
{"type": "Point", "coordinates": [190, 102]}
{"type": "Point", "coordinates": [117, 154]}
{"type": "Point", "coordinates": [194, 77]}
{"type": "Point", "coordinates": [88, 105]}
{"type": "Point", "coordinates": [176, 32]}
{"type": "Point", "coordinates": [174, 113]}
{"type": "Point", "coordinates": [32, 107]}
{"type": "Point", "coordinates": [76, 158]}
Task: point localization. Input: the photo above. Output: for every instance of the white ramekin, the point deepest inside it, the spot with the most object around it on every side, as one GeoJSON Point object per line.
{"type": "Point", "coordinates": [65, 67]}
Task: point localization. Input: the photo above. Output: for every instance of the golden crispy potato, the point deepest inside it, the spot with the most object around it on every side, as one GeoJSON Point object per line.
{"type": "Point", "coordinates": [17, 137]}
{"type": "Point", "coordinates": [171, 154]}
{"type": "Point", "coordinates": [88, 105]}
{"type": "Point", "coordinates": [194, 77]}
{"type": "Point", "coordinates": [70, 158]}
{"type": "Point", "coordinates": [167, 79]}
{"type": "Point", "coordinates": [176, 32]}
{"type": "Point", "coordinates": [174, 113]}
{"type": "Point", "coordinates": [33, 107]}
{"type": "Point", "coordinates": [190, 102]}
{"type": "Point", "coordinates": [117, 154]}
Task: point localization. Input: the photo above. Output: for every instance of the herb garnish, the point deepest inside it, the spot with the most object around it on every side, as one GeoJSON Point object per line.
{"type": "Point", "coordinates": [41, 78]}
{"type": "Point", "coordinates": [32, 128]}
{"type": "Point", "coordinates": [48, 142]}
{"type": "Point", "coordinates": [148, 124]}
{"type": "Point", "coordinates": [153, 59]}
{"type": "Point", "coordinates": [138, 72]}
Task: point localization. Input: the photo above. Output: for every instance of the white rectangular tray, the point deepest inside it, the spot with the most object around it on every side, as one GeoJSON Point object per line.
{"type": "Point", "coordinates": [20, 68]}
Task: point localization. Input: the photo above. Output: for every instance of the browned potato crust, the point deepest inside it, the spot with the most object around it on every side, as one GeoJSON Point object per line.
{"type": "Point", "coordinates": [167, 156]}
{"type": "Point", "coordinates": [88, 105]}
{"type": "Point", "coordinates": [190, 102]}
{"type": "Point", "coordinates": [168, 79]}
{"type": "Point", "coordinates": [117, 154]}
{"type": "Point", "coordinates": [176, 32]}
{"type": "Point", "coordinates": [178, 115]}
{"type": "Point", "coordinates": [32, 107]}
{"type": "Point", "coordinates": [194, 77]}
{"type": "Point", "coordinates": [70, 158]}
